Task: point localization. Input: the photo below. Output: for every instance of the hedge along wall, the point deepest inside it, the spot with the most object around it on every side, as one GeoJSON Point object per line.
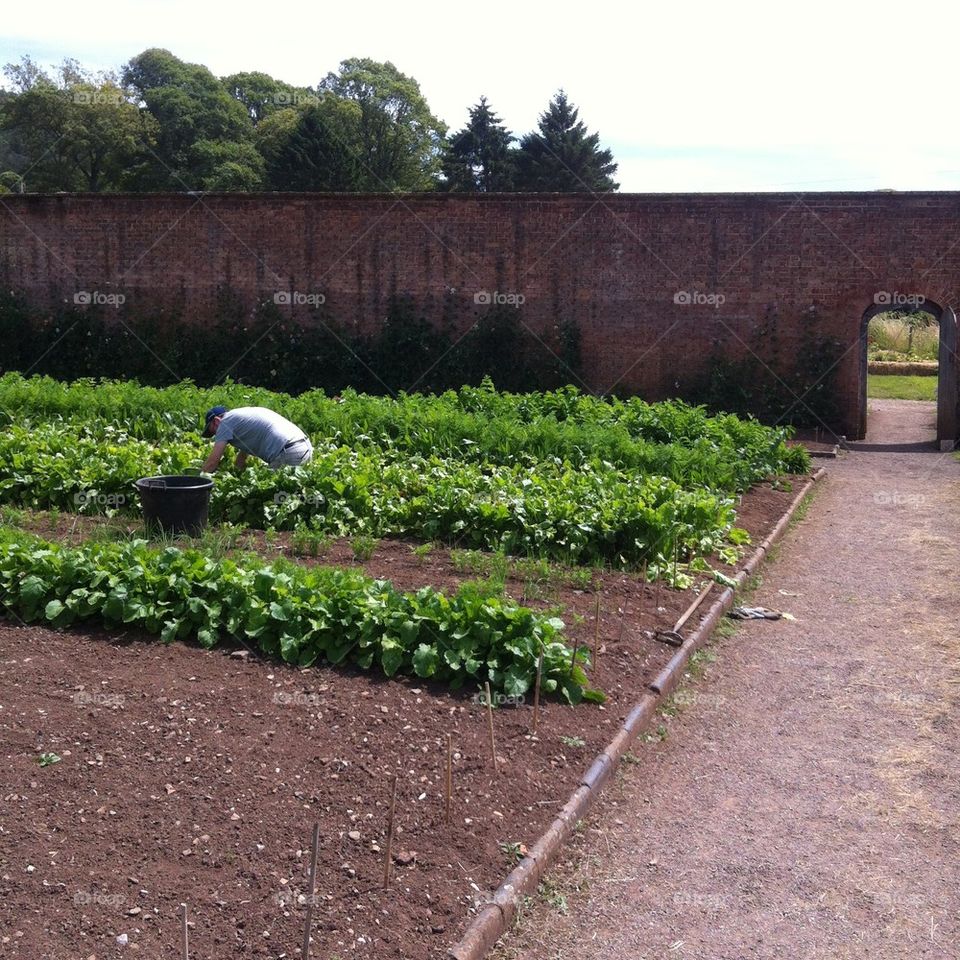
{"type": "Point", "coordinates": [735, 297]}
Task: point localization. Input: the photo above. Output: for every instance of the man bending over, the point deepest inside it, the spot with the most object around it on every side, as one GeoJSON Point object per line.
{"type": "Point", "coordinates": [258, 432]}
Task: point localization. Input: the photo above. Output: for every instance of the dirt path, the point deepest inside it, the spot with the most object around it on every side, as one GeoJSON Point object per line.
{"type": "Point", "coordinates": [803, 805]}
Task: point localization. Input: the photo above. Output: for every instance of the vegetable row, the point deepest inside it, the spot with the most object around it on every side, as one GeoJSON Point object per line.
{"type": "Point", "coordinates": [473, 424]}
{"type": "Point", "coordinates": [574, 514]}
{"type": "Point", "coordinates": [303, 616]}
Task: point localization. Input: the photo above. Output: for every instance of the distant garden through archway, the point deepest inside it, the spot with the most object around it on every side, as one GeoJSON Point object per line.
{"type": "Point", "coordinates": [908, 352]}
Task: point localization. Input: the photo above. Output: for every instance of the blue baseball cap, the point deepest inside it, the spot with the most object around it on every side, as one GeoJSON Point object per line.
{"type": "Point", "coordinates": [211, 413]}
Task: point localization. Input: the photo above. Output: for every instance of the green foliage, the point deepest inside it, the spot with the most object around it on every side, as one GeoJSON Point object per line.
{"type": "Point", "coordinates": [263, 95]}
{"type": "Point", "coordinates": [560, 156]}
{"type": "Point", "coordinates": [363, 547]}
{"type": "Point", "coordinates": [165, 124]}
{"type": "Point", "coordinates": [400, 140]}
{"type": "Point", "coordinates": [560, 476]}
{"type": "Point", "coordinates": [80, 131]}
{"type": "Point", "coordinates": [314, 148]}
{"type": "Point", "coordinates": [201, 128]}
{"type": "Point", "coordinates": [478, 157]}
{"type": "Point", "coordinates": [901, 335]}
{"type": "Point", "coordinates": [288, 612]}
{"type": "Point", "coordinates": [407, 353]}
{"type": "Point", "coordinates": [473, 424]}
{"type": "Point", "coordinates": [575, 515]}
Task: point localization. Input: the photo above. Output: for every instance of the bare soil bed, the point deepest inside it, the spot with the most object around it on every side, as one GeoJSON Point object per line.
{"type": "Point", "coordinates": [192, 775]}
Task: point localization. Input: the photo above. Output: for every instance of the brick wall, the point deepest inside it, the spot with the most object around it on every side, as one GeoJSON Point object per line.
{"type": "Point", "coordinates": [757, 264]}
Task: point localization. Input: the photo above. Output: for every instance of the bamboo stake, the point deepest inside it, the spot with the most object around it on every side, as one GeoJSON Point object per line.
{"type": "Point", "coordinates": [184, 935]}
{"type": "Point", "coordinates": [643, 591]}
{"type": "Point", "coordinates": [308, 922]}
{"type": "Point", "coordinates": [536, 692]}
{"type": "Point", "coordinates": [389, 850]}
{"type": "Point", "coordinates": [448, 791]}
{"type": "Point", "coordinates": [493, 742]}
{"type": "Point", "coordinates": [596, 636]}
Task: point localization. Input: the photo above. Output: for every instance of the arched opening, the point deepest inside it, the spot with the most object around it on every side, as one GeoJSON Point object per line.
{"type": "Point", "coordinates": [908, 351]}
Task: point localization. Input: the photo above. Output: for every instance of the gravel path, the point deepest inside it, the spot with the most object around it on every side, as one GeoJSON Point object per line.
{"type": "Point", "coordinates": [805, 801]}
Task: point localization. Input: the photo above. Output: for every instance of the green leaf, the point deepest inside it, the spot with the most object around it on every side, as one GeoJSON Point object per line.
{"type": "Point", "coordinates": [425, 660]}
{"type": "Point", "coordinates": [516, 681]}
{"type": "Point", "coordinates": [289, 648]}
{"type": "Point", "coordinates": [391, 656]}
{"type": "Point", "coordinates": [53, 609]}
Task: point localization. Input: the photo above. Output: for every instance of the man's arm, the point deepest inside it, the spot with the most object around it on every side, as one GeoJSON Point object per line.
{"type": "Point", "coordinates": [216, 454]}
{"type": "Point", "coordinates": [241, 461]}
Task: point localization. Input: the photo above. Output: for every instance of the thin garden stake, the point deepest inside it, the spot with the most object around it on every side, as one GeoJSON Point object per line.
{"type": "Point", "coordinates": [596, 636]}
{"type": "Point", "coordinates": [536, 692]}
{"type": "Point", "coordinates": [389, 850]}
{"type": "Point", "coordinates": [448, 791]}
{"type": "Point", "coordinates": [308, 922]}
{"type": "Point", "coordinates": [643, 590]}
{"type": "Point", "coordinates": [184, 936]}
{"type": "Point", "coordinates": [493, 742]}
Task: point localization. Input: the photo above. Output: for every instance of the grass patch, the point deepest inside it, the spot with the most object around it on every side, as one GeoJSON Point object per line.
{"type": "Point", "coordinates": [892, 387]}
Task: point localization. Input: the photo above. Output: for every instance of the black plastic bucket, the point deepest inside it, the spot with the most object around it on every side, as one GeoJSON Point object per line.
{"type": "Point", "coordinates": [175, 504]}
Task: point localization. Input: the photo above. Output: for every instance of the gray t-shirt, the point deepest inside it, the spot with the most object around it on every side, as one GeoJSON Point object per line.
{"type": "Point", "coordinates": [258, 431]}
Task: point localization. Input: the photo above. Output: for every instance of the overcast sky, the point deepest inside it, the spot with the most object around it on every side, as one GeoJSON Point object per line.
{"type": "Point", "coordinates": [689, 96]}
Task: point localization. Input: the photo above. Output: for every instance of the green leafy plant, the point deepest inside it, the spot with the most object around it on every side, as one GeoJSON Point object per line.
{"type": "Point", "coordinates": [363, 547]}
{"type": "Point", "coordinates": [293, 613]}
{"type": "Point", "coordinates": [514, 852]}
